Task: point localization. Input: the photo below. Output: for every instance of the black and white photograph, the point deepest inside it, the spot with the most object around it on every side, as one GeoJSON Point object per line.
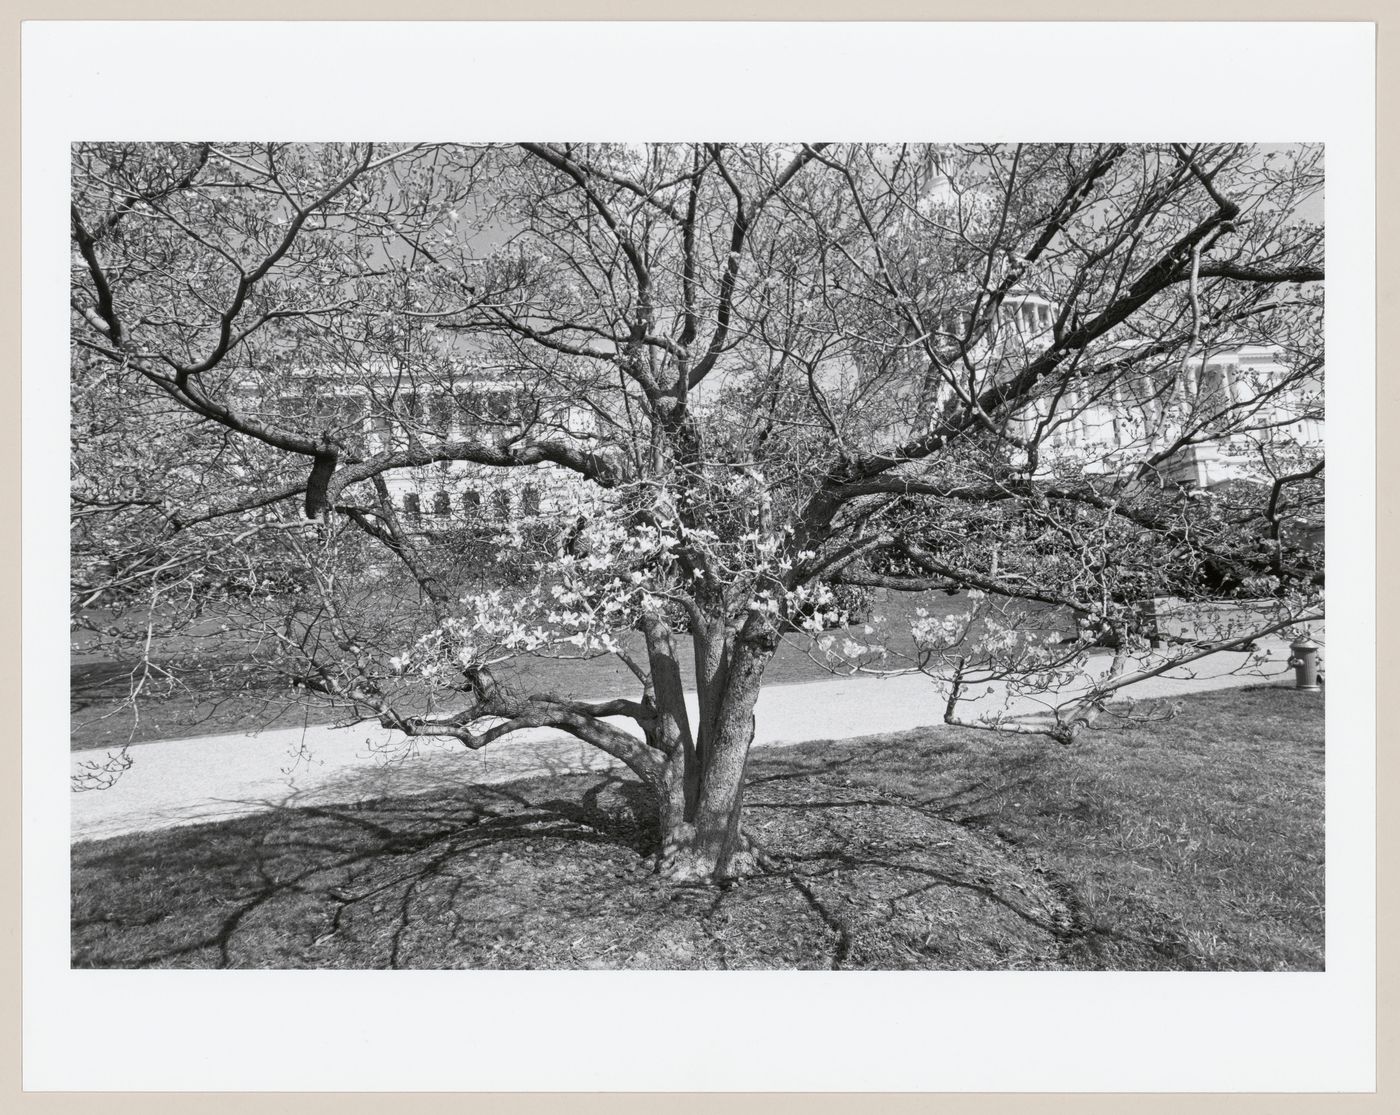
{"type": "Point", "coordinates": [698, 555]}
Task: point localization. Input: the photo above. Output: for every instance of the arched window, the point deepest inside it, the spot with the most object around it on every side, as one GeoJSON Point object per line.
{"type": "Point", "coordinates": [443, 410]}
{"type": "Point", "coordinates": [349, 412]}
{"type": "Point", "coordinates": [412, 508]}
{"type": "Point", "coordinates": [500, 405]}
{"type": "Point", "coordinates": [380, 432]}
{"type": "Point", "coordinates": [295, 406]}
{"type": "Point", "coordinates": [442, 504]}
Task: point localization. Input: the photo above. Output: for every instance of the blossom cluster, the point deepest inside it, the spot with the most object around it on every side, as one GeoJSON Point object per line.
{"type": "Point", "coordinates": [614, 567]}
{"type": "Point", "coordinates": [987, 639]}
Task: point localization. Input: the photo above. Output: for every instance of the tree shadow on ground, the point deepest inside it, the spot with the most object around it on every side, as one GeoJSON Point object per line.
{"type": "Point", "coordinates": [931, 849]}
{"type": "Point", "coordinates": [243, 893]}
{"type": "Point", "coordinates": [961, 792]}
{"type": "Point", "coordinates": [552, 873]}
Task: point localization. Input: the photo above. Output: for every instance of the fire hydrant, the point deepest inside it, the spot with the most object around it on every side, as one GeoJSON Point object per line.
{"type": "Point", "coordinates": [1304, 662]}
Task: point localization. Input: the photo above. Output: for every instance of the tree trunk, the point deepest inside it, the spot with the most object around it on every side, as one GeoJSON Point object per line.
{"type": "Point", "coordinates": [707, 844]}
{"type": "Point", "coordinates": [671, 734]}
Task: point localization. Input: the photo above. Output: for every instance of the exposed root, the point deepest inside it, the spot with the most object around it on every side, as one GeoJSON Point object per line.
{"type": "Point", "coordinates": [754, 855]}
{"type": "Point", "coordinates": [686, 865]}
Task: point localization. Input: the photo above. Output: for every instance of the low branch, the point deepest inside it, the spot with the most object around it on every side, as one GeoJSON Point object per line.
{"type": "Point", "coordinates": [502, 454]}
{"type": "Point", "coordinates": [1205, 651]}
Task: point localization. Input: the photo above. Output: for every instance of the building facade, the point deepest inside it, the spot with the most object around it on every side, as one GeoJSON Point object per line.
{"type": "Point", "coordinates": [1108, 425]}
{"type": "Point", "coordinates": [379, 412]}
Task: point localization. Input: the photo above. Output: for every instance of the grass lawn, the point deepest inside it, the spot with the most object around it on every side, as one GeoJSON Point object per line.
{"type": "Point", "coordinates": [1195, 843]}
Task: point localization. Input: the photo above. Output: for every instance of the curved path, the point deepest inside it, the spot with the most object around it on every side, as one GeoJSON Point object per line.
{"type": "Point", "coordinates": [190, 781]}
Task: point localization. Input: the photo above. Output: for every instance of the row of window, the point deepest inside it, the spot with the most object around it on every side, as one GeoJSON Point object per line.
{"type": "Point", "coordinates": [464, 410]}
{"type": "Point", "coordinates": [471, 503]}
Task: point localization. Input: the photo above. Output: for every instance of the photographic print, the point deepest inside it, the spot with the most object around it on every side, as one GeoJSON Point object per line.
{"type": "Point", "coordinates": [821, 527]}
{"type": "Point", "coordinates": [717, 555]}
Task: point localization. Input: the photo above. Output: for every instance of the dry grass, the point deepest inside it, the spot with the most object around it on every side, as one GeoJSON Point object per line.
{"type": "Point", "coordinates": [1193, 844]}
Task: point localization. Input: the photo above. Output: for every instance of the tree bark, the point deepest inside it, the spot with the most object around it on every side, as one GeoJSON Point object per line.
{"type": "Point", "coordinates": [670, 734]}
{"type": "Point", "coordinates": [709, 846]}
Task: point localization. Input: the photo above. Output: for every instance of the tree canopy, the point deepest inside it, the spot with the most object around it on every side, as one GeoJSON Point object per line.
{"type": "Point", "coordinates": [773, 374]}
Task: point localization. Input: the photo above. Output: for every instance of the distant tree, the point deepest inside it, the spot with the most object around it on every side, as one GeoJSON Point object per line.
{"type": "Point", "coordinates": [777, 373]}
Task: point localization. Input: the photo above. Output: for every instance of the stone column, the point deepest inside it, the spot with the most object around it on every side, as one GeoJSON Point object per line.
{"type": "Point", "coordinates": [1193, 380]}
{"type": "Point", "coordinates": [1234, 388]}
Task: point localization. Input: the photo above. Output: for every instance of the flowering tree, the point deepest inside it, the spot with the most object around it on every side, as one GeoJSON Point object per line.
{"type": "Point", "coordinates": [776, 374]}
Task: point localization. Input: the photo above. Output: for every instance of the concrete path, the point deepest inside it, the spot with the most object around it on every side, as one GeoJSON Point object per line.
{"type": "Point", "coordinates": [190, 781]}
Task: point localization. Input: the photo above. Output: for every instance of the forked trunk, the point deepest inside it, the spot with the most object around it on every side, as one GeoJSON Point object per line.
{"type": "Point", "coordinates": [702, 840]}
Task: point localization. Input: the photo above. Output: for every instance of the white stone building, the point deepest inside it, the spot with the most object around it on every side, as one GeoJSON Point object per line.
{"type": "Point", "coordinates": [1105, 428]}
{"type": "Point", "coordinates": [383, 412]}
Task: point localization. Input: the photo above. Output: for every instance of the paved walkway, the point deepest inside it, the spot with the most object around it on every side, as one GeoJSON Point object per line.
{"type": "Point", "coordinates": [190, 781]}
